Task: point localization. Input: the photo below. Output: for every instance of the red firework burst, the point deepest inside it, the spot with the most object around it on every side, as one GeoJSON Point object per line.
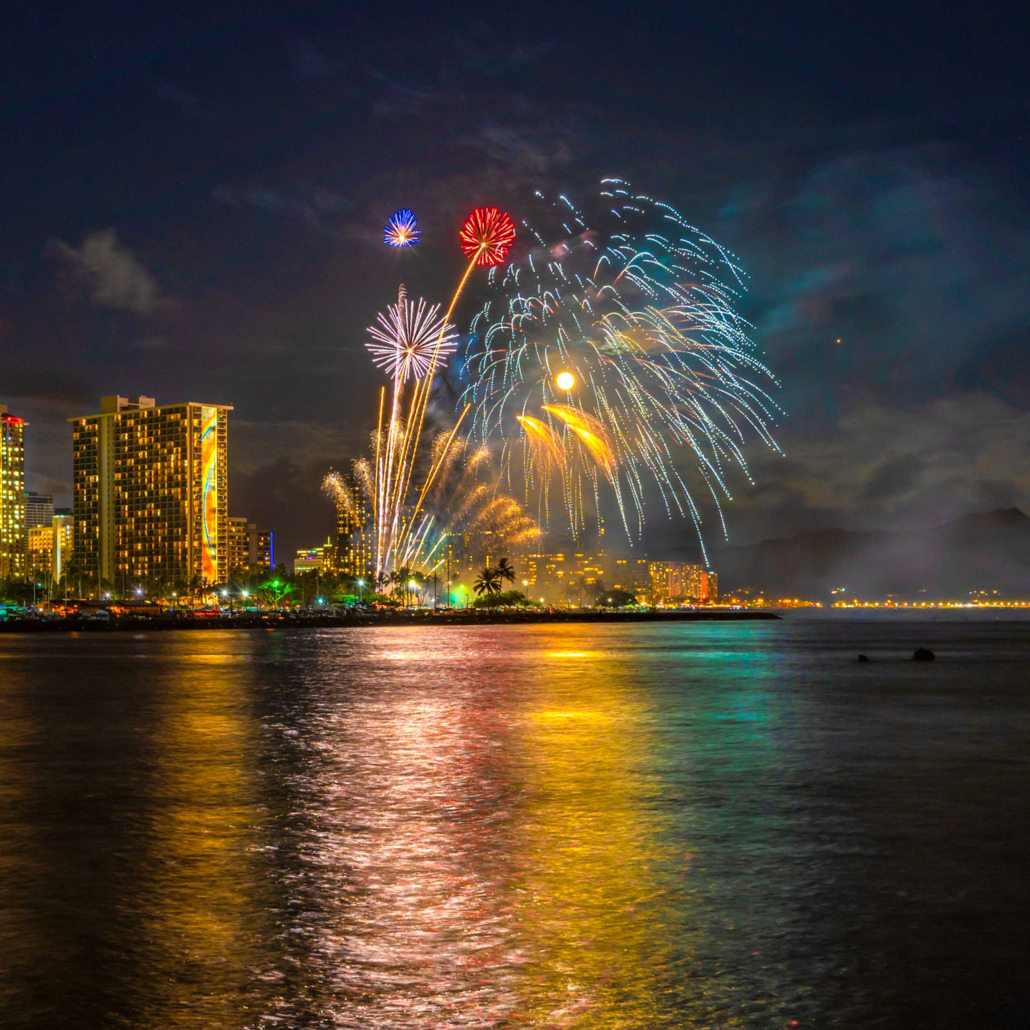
{"type": "Point", "coordinates": [487, 235]}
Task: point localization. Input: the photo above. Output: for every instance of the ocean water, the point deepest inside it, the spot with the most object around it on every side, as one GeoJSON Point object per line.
{"type": "Point", "coordinates": [692, 825]}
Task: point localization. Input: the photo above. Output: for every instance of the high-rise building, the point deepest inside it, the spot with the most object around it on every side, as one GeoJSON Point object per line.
{"type": "Point", "coordinates": [39, 509]}
{"type": "Point", "coordinates": [151, 492]}
{"type": "Point", "coordinates": [709, 586]}
{"type": "Point", "coordinates": [682, 581]}
{"type": "Point", "coordinates": [50, 547]}
{"type": "Point", "coordinates": [629, 573]}
{"type": "Point", "coordinates": [12, 494]}
{"type": "Point", "coordinates": [265, 550]}
{"type": "Point", "coordinates": [561, 577]}
{"type": "Point", "coordinates": [353, 552]}
{"type": "Point", "coordinates": [247, 547]}
{"type": "Point", "coordinates": [239, 544]}
{"type": "Point", "coordinates": [314, 559]}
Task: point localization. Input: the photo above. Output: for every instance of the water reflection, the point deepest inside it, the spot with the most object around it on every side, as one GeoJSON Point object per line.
{"type": "Point", "coordinates": [648, 828]}
{"type": "Point", "coordinates": [403, 823]}
{"type": "Point", "coordinates": [205, 917]}
{"type": "Point", "coordinates": [593, 902]}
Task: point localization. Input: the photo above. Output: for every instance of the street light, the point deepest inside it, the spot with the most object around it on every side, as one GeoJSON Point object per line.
{"type": "Point", "coordinates": [361, 584]}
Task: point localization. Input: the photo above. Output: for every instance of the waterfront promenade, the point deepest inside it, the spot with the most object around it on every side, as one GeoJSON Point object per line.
{"type": "Point", "coordinates": [419, 616]}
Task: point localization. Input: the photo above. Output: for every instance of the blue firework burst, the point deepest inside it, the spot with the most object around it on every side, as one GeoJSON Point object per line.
{"type": "Point", "coordinates": [402, 229]}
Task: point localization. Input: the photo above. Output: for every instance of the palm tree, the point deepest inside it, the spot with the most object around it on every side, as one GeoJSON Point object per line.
{"type": "Point", "coordinates": [505, 571]}
{"type": "Point", "coordinates": [488, 581]}
{"type": "Point", "coordinates": [401, 578]}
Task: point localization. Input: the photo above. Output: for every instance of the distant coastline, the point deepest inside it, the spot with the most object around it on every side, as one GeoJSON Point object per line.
{"type": "Point", "coordinates": [463, 617]}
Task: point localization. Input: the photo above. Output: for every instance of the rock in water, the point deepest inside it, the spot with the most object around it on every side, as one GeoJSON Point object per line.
{"type": "Point", "coordinates": [923, 654]}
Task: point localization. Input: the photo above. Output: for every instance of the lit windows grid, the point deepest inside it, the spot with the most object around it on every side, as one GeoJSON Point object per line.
{"type": "Point", "coordinates": [155, 492]}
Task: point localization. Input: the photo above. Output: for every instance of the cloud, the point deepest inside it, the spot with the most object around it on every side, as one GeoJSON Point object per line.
{"type": "Point", "coordinates": [309, 63]}
{"type": "Point", "coordinates": [905, 255]}
{"type": "Point", "coordinates": [113, 275]}
{"type": "Point", "coordinates": [886, 467]}
{"type": "Point", "coordinates": [309, 204]}
{"type": "Point", "coordinates": [322, 444]}
{"type": "Point", "coordinates": [45, 384]}
{"type": "Point", "coordinates": [187, 102]}
{"type": "Point", "coordinates": [545, 152]}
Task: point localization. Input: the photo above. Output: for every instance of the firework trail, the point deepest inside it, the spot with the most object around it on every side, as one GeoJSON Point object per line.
{"type": "Point", "coordinates": [458, 498]}
{"type": "Point", "coordinates": [609, 353]}
{"type": "Point", "coordinates": [412, 341]}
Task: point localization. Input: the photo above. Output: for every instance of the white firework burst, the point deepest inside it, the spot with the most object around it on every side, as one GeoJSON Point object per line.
{"type": "Point", "coordinates": [411, 339]}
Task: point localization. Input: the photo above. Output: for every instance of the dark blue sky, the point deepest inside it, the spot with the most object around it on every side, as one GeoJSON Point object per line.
{"type": "Point", "coordinates": [193, 198]}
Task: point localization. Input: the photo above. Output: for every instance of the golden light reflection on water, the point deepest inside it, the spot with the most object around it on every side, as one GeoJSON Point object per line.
{"type": "Point", "coordinates": [205, 918]}
{"type": "Point", "coordinates": [407, 830]}
{"type": "Point", "coordinates": [592, 909]}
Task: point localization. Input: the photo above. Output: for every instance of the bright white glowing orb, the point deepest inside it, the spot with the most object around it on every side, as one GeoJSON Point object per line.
{"type": "Point", "coordinates": [565, 380]}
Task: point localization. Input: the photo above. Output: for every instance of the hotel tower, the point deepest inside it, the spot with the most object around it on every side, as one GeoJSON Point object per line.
{"type": "Point", "coordinates": [12, 494]}
{"type": "Point", "coordinates": [151, 492]}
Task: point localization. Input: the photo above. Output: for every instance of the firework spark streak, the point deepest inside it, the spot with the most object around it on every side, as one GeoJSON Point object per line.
{"type": "Point", "coordinates": [610, 353]}
{"type": "Point", "coordinates": [456, 497]}
{"type": "Point", "coordinates": [406, 526]}
{"type": "Point", "coordinates": [402, 229]}
{"type": "Point", "coordinates": [402, 344]}
{"type": "Point", "coordinates": [410, 340]}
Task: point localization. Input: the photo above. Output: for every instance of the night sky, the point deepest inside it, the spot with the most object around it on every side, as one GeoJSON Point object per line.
{"type": "Point", "coordinates": [193, 199]}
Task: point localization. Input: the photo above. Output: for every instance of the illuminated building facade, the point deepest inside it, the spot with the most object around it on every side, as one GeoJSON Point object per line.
{"type": "Point", "coordinates": [39, 510]}
{"type": "Point", "coordinates": [50, 547]}
{"type": "Point", "coordinates": [265, 550]}
{"type": "Point", "coordinates": [239, 544]}
{"type": "Point", "coordinates": [632, 574]}
{"type": "Point", "coordinates": [353, 552]}
{"type": "Point", "coordinates": [314, 559]}
{"type": "Point", "coordinates": [578, 578]}
{"type": "Point", "coordinates": [150, 491]}
{"type": "Point", "coordinates": [682, 581]}
{"type": "Point", "coordinates": [12, 494]}
{"type": "Point", "coordinates": [247, 547]}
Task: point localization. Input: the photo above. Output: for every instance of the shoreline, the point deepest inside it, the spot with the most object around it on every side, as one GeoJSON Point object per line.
{"type": "Point", "coordinates": [468, 617]}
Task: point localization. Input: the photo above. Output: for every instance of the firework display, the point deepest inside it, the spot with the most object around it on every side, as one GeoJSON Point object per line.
{"type": "Point", "coordinates": [612, 356]}
{"type": "Point", "coordinates": [487, 236]}
{"type": "Point", "coordinates": [418, 497]}
{"type": "Point", "coordinates": [401, 229]}
{"type": "Point", "coordinates": [604, 360]}
{"type": "Point", "coordinates": [410, 339]}
{"type": "Point", "coordinates": [459, 498]}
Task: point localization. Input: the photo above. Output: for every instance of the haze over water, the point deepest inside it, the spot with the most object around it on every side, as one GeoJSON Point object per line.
{"type": "Point", "coordinates": [692, 825]}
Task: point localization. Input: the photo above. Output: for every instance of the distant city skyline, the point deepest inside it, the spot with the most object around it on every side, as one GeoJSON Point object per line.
{"type": "Point", "coordinates": [177, 224]}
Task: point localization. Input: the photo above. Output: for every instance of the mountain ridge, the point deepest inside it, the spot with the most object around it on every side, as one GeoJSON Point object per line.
{"type": "Point", "coordinates": [978, 551]}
